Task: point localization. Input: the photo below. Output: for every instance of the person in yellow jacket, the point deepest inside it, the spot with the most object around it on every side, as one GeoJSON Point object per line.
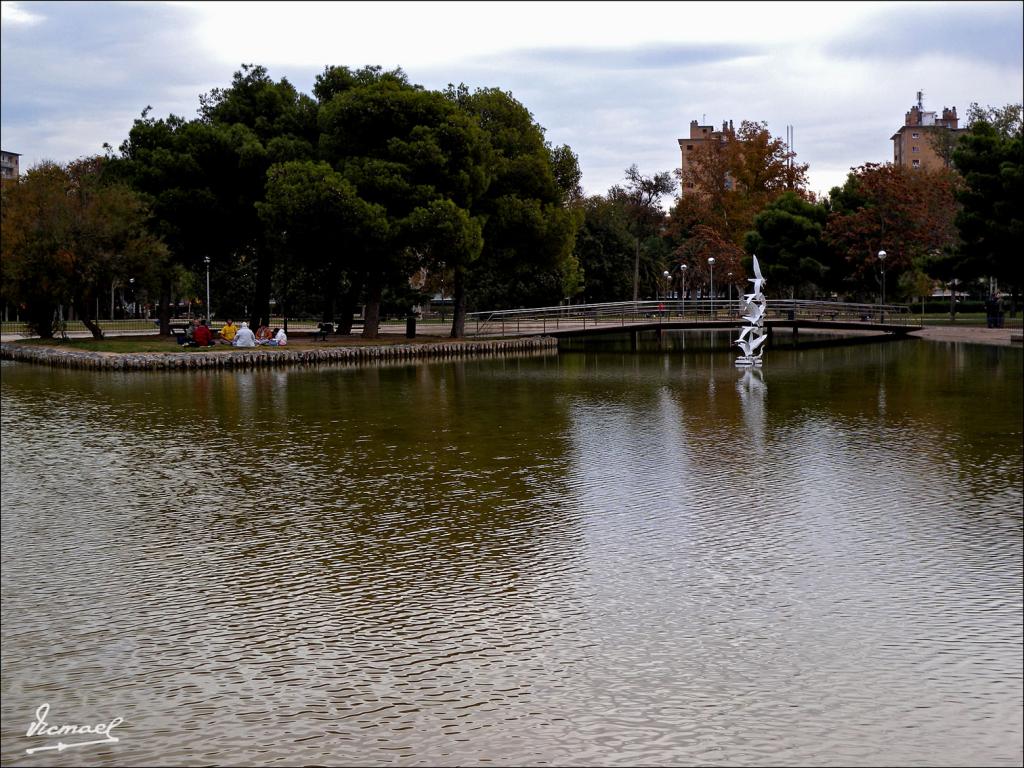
{"type": "Point", "coordinates": [227, 333]}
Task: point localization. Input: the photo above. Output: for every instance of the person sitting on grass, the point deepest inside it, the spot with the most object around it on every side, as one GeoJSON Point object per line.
{"type": "Point", "coordinates": [280, 338]}
{"type": "Point", "coordinates": [263, 335]}
{"type": "Point", "coordinates": [202, 337]}
{"type": "Point", "coordinates": [187, 339]}
{"type": "Point", "coordinates": [244, 337]}
{"type": "Point", "coordinates": [227, 333]}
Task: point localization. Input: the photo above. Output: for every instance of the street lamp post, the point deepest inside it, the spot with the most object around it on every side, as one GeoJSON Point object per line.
{"type": "Point", "coordinates": [682, 288]}
{"type": "Point", "coordinates": [881, 260]}
{"type": "Point", "coordinates": [209, 314]}
{"type": "Point", "coordinates": [711, 264]}
{"type": "Point", "coordinates": [729, 276]}
{"type": "Point", "coordinates": [636, 272]}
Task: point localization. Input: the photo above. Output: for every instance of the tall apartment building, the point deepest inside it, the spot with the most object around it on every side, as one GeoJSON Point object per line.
{"type": "Point", "coordinates": [8, 166]}
{"type": "Point", "coordinates": [701, 134]}
{"type": "Point", "coordinates": [925, 140]}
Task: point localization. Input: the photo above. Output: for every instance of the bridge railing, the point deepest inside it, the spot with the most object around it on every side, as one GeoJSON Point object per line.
{"type": "Point", "coordinates": [545, 319]}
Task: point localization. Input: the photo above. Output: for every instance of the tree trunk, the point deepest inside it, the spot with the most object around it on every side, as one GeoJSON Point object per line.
{"type": "Point", "coordinates": [636, 271]}
{"type": "Point", "coordinates": [79, 305]}
{"type": "Point", "coordinates": [261, 299]}
{"type": "Point", "coordinates": [371, 321]}
{"type": "Point", "coordinates": [40, 318]}
{"type": "Point", "coordinates": [349, 300]}
{"type": "Point", "coordinates": [459, 302]}
{"type": "Point", "coordinates": [164, 305]}
{"type": "Point", "coordinates": [91, 326]}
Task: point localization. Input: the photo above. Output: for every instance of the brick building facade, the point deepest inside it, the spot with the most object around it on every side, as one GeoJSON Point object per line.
{"type": "Point", "coordinates": [926, 140]}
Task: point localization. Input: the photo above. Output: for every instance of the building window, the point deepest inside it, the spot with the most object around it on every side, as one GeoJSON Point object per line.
{"type": "Point", "coordinates": [915, 149]}
{"type": "Point", "coordinates": [915, 135]}
{"type": "Point", "coordinates": [916, 163]}
{"type": "Point", "coordinates": [689, 147]}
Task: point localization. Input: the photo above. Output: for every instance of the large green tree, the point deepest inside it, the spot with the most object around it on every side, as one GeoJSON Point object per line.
{"type": "Point", "coordinates": [269, 122]}
{"type": "Point", "coordinates": [788, 238]}
{"type": "Point", "coordinates": [406, 150]}
{"type": "Point", "coordinates": [528, 209]}
{"type": "Point", "coordinates": [186, 170]}
{"type": "Point", "coordinates": [205, 177]}
{"type": "Point", "coordinates": [605, 250]}
{"type": "Point", "coordinates": [328, 231]}
{"type": "Point", "coordinates": [640, 198]}
{"type": "Point", "coordinates": [990, 156]}
{"type": "Point", "coordinates": [460, 179]}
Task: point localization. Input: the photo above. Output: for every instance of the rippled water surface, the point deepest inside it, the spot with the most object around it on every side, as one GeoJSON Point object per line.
{"type": "Point", "coordinates": [610, 559]}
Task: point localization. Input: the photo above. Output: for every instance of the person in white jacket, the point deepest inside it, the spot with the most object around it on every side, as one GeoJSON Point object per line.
{"type": "Point", "coordinates": [280, 338]}
{"type": "Point", "coordinates": [244, 337]}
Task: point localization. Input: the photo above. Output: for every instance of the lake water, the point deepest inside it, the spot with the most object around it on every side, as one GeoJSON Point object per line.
{"type": "Point", "coordinates": [593, 558]}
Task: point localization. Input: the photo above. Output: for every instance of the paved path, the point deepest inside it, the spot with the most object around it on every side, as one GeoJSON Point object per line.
{"type": "Point", "coordinates": [969, 334]}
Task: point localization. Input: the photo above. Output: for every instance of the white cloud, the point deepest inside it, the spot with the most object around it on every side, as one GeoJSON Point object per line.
{"type": "Point", "coordinates": [15, 13]}
{"type": "Point", "coordinates": [431, 33]}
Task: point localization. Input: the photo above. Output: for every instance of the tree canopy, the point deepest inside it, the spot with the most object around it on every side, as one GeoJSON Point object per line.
{"type": "Point", "coordinates": [788, 236]}
{"type": "Point", "coordinates": [990, 156]}
{"type": "Point", "coordinates": [527, 211]}
{"type": "Point", "coordinates": [908, 213]}
{"type": "Point", "coordinates": [68, 232]}
{"type": "Point", "coordinates": [728, 182]}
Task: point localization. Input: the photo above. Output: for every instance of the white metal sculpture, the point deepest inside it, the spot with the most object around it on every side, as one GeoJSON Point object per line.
{"type": "Point", "coordinates": [754, 335]}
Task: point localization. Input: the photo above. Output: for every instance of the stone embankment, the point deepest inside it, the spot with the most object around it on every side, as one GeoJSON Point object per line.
{"type": "Point", "coordinates": [268, 357]}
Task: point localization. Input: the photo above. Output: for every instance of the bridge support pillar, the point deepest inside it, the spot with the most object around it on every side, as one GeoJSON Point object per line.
{"type": "Point", "coordinates": [633, 341]}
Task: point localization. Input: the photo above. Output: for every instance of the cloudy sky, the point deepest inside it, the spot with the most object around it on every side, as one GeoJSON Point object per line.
{"type": "Point", "coordinates": [618, 82]}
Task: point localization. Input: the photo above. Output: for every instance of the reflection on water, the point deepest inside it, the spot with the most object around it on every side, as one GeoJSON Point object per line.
{"type": "Point", "coordinates": [596, 558]}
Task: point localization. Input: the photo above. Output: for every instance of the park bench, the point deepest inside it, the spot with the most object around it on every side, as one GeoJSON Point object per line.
{"type": "Point", "coordinates": [180, 331]}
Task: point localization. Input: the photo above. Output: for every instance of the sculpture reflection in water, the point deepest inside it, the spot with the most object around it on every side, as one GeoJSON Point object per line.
{"type": "Point", "coordinates": [752, 389]}
{"type": "Point", "coordinates": [753, 336]}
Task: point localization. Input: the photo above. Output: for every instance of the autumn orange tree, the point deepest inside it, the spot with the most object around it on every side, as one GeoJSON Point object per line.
{"type": "Point", "coordinates": [703, 243]}
{"type": "Point", "coordinates": [908, 213]}
{"type": "Point", "coordinates": [731, 180]}
{"type": "Point", "coordinates": [66, 234]}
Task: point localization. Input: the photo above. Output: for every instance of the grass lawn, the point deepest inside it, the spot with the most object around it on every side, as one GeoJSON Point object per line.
{"type": "Point", "coordinates": [965, 319]}
{"type": "Point", "coordinates": [152, 343]}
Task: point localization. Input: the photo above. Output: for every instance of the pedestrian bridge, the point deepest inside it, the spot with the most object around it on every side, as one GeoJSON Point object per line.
{"type": "Point", "coordinates": [689, 314]}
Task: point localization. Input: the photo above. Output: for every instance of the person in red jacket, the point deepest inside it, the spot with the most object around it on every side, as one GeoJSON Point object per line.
{"type": "Point", "coordinates": [203, 337]}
